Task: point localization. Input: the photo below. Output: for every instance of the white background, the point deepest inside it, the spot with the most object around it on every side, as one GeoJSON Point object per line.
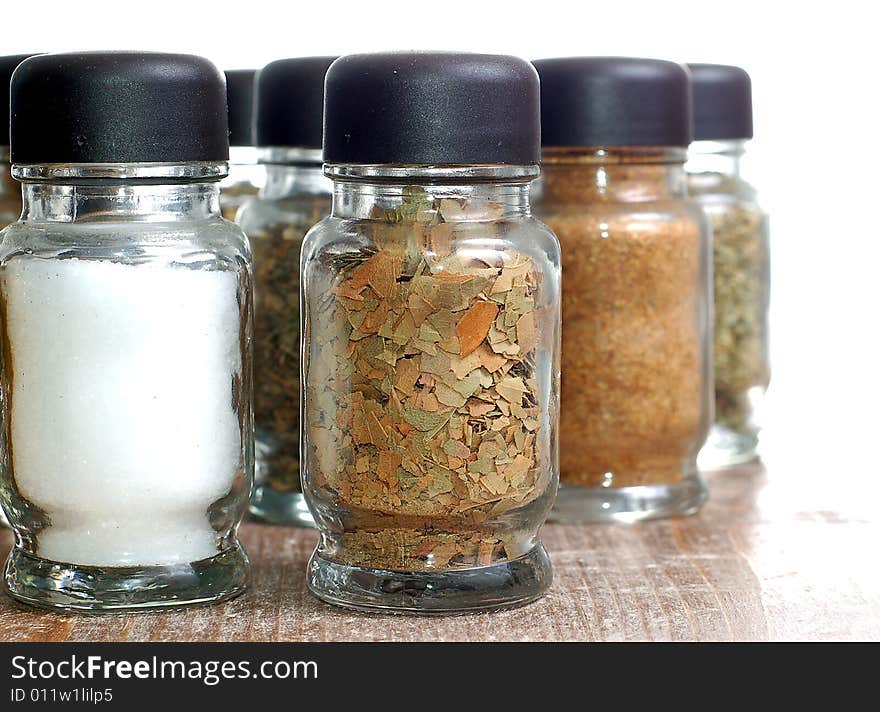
{"type": "Point", "coordinates": [815, 158]}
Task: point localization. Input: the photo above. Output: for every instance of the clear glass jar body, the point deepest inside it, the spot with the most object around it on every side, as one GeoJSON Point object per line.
{"type": "Point", "coordinates": [294, 198]}
{"type": "Point", "coordinates": [741, 279]}
{"type": "Point", "coordinates": [636, 365]}
{"type": "Point", "coordinates": [246, 178]}
{"type": "Point", "coordinates": [430, 384]}
{"type": "Point", "coordinates": [127, 439]}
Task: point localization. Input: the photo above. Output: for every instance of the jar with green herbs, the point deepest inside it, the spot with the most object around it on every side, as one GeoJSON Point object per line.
{"type": "Point", "coordinates": [245, 174]}
{"type": "Point", "coordinates": [431, 331]}
{"type": "Point", "coordinates": [636, 369]}
{"type": "Point", "coordinates": [722, 101]}
{"type": "Point", "coordinates": [295, 196]}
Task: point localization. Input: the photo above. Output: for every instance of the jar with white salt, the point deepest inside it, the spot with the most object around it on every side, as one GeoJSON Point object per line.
{"type": "Point", "coordinates": [126, 438]}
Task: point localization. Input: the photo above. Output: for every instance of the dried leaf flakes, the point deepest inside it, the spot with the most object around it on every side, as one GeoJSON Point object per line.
{"type": "Point", "coordinates": [422, 397]}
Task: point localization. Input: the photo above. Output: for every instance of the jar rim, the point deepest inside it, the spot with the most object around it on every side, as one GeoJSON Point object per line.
{"type": "Point", "coordinates": [458, 173]}
{"type": "Point", "coordinates": [599, 155]}
{"type": "Point", "coordinates": [290, 156]}
{"type": "Point", "coordinates": [183, 171]}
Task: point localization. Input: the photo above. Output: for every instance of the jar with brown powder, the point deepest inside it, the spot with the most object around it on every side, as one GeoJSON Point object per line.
{"type": "Point", "coordinates": [722, 101]}
{"type": "Point", "coordinates": [636, 367]}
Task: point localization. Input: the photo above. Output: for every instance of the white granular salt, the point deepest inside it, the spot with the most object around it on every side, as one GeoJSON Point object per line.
{"type": "Point", "coordinates": [123, 426]}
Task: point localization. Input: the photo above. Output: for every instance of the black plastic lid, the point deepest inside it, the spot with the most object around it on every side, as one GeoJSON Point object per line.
{"type": "Point", "coordinates": [290, 101]}
{"type": "Point", "coordinates": [722, 98]}
{"type": "Point", "coordinates": [7, 67]}
{"type": "Point", "coordinates": [614, 101]}
{"type": "Point", "coordinates": [431, 108]}
{"type": "Point", "coordinates": [118, 107]}
{"type": "Point", "coordinates": [240, 101]}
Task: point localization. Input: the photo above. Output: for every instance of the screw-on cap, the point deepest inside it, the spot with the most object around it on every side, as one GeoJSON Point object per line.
{"type": "Point", "coordinates": [430, 108]}
{"type": "Point", "coordinates": [614, 101]}
{"type": "Point", "coordinates": [240, 101]}
{"type": "Point", "coordinates": [722, 97]}
{"type": "Point", "coordinates": [290, 101]}
{"type": "Point", "coordinates": [118, 107]}
{"type": "Point", "coordinates": [7, 67]}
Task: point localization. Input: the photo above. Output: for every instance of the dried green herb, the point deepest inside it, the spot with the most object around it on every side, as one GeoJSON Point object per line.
{"type": "Point", "coordinates": [741, 264]}
{"type": "Point", "coordinates": [422, 401]}
{"type": "Point", "coordinates": [276, 253]}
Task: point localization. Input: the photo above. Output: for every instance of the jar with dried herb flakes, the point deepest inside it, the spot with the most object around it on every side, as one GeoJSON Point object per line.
{"type": "Point", "coordinates": [431, 329]}
{"type": "Point", "coordinates": [636, 363]}
{"type": "Point", "coordinates": [245, 174]}
{"type": "Point", "coordinates": [296, 195]}
{"type": "Point", "coordinates": [722, 102]}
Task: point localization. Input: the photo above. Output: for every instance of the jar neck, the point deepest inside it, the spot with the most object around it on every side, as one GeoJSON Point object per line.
{"type": "Point", "coordinates": [619, 174]}
{"type": "Point", "coordinates": [285, 180]}
{"type": "Point", "coordinates": [116, 202]}
{"type": "Point", "coordinates": [722, 157]}
{"type": "Point", "coordinates": [415, 193]}
{"type": "Point", "coordinates": [119, 192]}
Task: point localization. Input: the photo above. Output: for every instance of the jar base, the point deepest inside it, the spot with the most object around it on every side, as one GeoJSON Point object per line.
{"type": "Point", "coordinates": [69, 587]}
{"type": "Point", "coordinates": [486, 588]}
{"type": "Point", "coordinates": [284, 508]}
{"type": "Point", "coordinates": [582, 505]}
{"type": "Point", "coordinates": [727, 448]}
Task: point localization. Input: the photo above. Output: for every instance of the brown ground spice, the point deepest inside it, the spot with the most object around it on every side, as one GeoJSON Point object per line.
{"type": "Point", "coordinates": [633, 382]}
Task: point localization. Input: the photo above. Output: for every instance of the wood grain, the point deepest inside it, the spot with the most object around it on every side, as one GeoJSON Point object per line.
{"type": "Point", "coordinates": [750, 566]}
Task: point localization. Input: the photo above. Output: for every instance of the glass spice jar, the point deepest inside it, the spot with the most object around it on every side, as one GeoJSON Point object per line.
{"type": "Point", "coordinates": [296, 195]}
{"type": "Point", "coordinates": [126, 446]}
{"type": "Point", "coordinates": [722, 103]}
{"type": "Point", "coordinates": [245, 176]}
{"type": "Point", "coordinates": [431, 329]}
{"type": "Point", "coordinates": [10, 190]}
{"type": "Point", "coordinates": [636, 368]}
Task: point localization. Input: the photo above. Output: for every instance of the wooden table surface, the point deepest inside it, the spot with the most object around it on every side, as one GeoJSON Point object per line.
{"type": "Point", "coordinates": [753, 565]}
